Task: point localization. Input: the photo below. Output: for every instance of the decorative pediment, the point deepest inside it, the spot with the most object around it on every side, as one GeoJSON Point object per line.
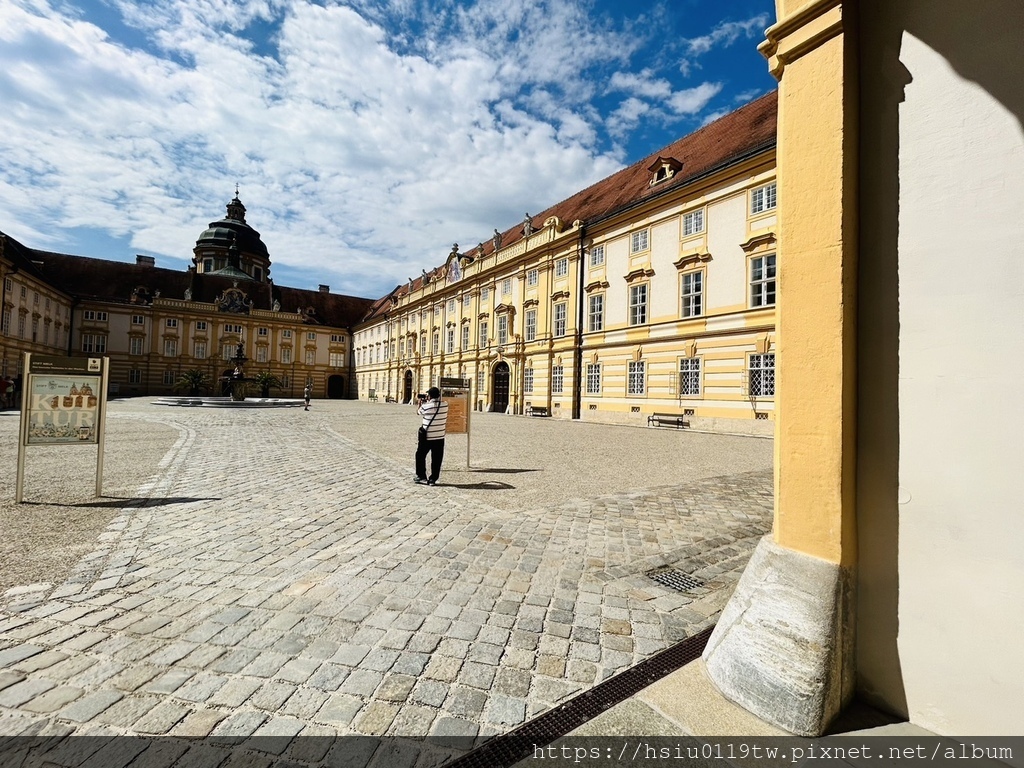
{"type": "Point", "coordinates": [639, 274]}
{"type": "Point", "coordinates": [504, 309]}
{"type": "Point", "coordinates": [530, 303]}
{"type": "Point", "coordinates": [595, 285]}
{"type": "Point", "coordinates": [236, 301]}
{"type": "Point", "coordinates": [692, 259]}
{"type": "Point", "coordinates": [450, 324]}
{"type": "Point", "coordinates": [559, 295]}
{"type": "Point", "coordinates": [762, 242]}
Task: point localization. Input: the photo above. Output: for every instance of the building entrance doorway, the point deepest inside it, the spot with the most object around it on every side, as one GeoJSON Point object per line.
{"type": "Point", "coordinates": [336, 387]}
{"type": "Point", "coordinates": [499, 388]}
{"type": "Point", "coordinates": [407, 387]}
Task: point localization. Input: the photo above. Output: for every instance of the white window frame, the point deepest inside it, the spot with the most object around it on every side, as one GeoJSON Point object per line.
{"type": "Point", "coordinates": [557, 379]}
{"type": "Point", "coordinates": [636, 380]}
{"type": "Point", "coordinates": [763, 199]}
{"type": "Point", "coordinates": [638, 297]}
{"type": "Point", "coordinates": [286, 355]}
{"type": "Point", "coordinates": [763, 276]}
{"type": "Point", "coordinates": [136, 345]}
{"type": "Point", "coordinates": [639, 241]}
{"type": "Point", "coordinates": [597, 256]}
{"type": "Point", "coordinates": [761, 375]}
{"type": "Point", "coordinates": [532, 277]}
{"type": "Point", "coordinates": [595, 312]}
{"type": "Point", "coordinates": [693, 222]}
{"type": "Point", "coordinates": [502, 321]}
{"type": "Point", "coordinates": [465, 337]}
{"type": "Point", "coordinates": [593, 373]}
{"type": "Point", "coordinates": [559, 319]}
{"type": "Point", "coordinates": [171, 322]}
{"type": "Point", "coordinates": [199, 351]}
{"type": "Point", "coordinates": [689, 377]}
{"type": "Point", "coordinates": [528, 381]}
{"type": "Point", "coordinates": [561, 267]}
{"type": "Point", "coordinates": [692, 294]}
{"type": "Point", "coordinates": [135, 376]}
{"type": "Point", "coordinates": [483, 333]}
{"type": "Point", "coordinates": [530, 325]}
{"type": "Point", "coordinates": [506, 286]}
{"type": "Point", "coordinates": [450, 340]}
{"type": "Point", "coordinates": [170, 347]}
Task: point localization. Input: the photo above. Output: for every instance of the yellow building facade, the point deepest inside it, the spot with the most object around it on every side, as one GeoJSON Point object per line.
{"type": "Point", "coordinates": [660, 301]}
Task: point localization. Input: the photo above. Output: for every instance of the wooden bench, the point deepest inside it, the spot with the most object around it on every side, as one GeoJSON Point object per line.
{"type": "Point", "coordinates": [677, 420]}
{"type": "Point", "coordinates": [534, 410]}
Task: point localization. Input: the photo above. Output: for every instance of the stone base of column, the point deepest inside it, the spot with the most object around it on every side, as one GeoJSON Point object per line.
{"type": "Point", "coordinates": [783, 648]}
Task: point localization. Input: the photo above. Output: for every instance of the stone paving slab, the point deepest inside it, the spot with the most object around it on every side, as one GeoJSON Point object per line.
{"type": "Point", "coordinates": [303, 585]}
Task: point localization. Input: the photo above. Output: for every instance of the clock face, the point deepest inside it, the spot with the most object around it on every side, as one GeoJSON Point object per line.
{"type": "Point", "coordinates": [454, 271]}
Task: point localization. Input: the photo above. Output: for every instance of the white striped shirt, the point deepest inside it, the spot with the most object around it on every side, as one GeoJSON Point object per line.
{"type": "Point", "coordinates": [437, 427]}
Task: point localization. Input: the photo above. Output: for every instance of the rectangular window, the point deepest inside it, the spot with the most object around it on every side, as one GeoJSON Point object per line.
{"type": "Point", "coordinates": [506, 286]}
{"type": "Point", "coordinates": [485, 294]}
{"type": "Point", "coordinates": [481, 380]}
{"type": "Point", "coordinates": [593, 378]}
{"type": "Point", "coordinates": [21, 326]}
{"type": "Point", "coordinates": [595, 312]}
{"type": "Point", "coordinates": [88, 342]}
{"type": "Point", "coordinates": [597, 256]}
{"type": "Point", "coordinates": [761, 376]}
{"type": "Point", "coordinates": [337, 338]}
{"type": "Point", "coordinates": [135, 376]}
{"type": "Point", "coordinates": [465, 337]}
{"type": "Point", "coordinates": [450, 340]}
{"type": "Point", "coordinates": [261, 353]}
{"type": "Point", "coordinates": [638, 241]}
{"type": "Point", "coordinates": [286, 355]}
{"type": "Point", "coordinates": [91, 314]}
{"type": "Point", "coordinates": [530, 331]}
{"type": "Point", "coordinates": [401, 347]}
{"type": "Point", "coordinates": [557, 379]}
{"type": "Point", "coordinates": [532, 278]}
{"type": "Point", "coordinates": [763, 198]}
{"type": "Point", "coordinates": [310, 357]}
{"type": "Point", "coordinates": [483, 333]}
{"type": "Point", "coordinates": [560, 315]}
{"type": "Point", "coordinates": [311, 336]}
{"type": "Point", "coordinates": [262, 331]}
{"type": "Point", "coordinates": [24, 292]}
{"type": "Point", "coordinates": [135, 345]}
{"type": "Point", "coordinates": [227, 351]}
{"type": "Point", "coordinates": [451, 305]}
{"type": "Point", "coordinates": [170, 347]}
{"type": "Point", "coordinates": [139, 320]}
{"type": "Point", "coordinates": [6, 328]}
{"type": "Point", "coordinates": [337, 359]}
{"type": "Point", "coordinates": [199, 350]}
{"type": "Point", "coordinates": [528, 381]}
{"type": "Point", "coordinates": [171, 322]}
{"type": "Point", "coordinates": [693, 294]}
{"type": "Point", "coordinates": [168, 378]}
{"type": "Point", "coordinates": [466, 299]}
{"type": "Point", "coordinates": [47, 304]}
{"type": "Point", "coordinates": [762, 281]}
{"type": "Point", "coordinates": [8, 285]}
{"type": "Point", "coordinates": [435, 343]}
{"type": "Point", "coordinates": [638, 304]}
{"type": "Point", "coordinates": [637, 378]}
{"type": "Point", "coordinates": [689, 376]}
{"type": "Point", "coordinates": [286, 334]}
{"type": "Point", "coordinates": [423, 343]}
{"type": "Point", "coordinates": [502, 330]}
{"type": "Point", "coordinates": [561, 267]}
{"type": "Point", "coordinates": [693, 222]}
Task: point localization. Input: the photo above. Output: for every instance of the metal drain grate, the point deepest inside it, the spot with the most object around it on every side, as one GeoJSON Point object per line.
{"type": "Point", "coordinates": [675, 579]}
{"type": "Point", "coordinates": [519, 743]}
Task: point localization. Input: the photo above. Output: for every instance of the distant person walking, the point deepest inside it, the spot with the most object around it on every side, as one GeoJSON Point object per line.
{"type": "Point", "coordinates": [431, 437]}
{"type": "Point", "coordinates": [307, 393]}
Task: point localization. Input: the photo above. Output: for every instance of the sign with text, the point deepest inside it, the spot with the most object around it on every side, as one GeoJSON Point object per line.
{"type": "Point", "coordinates": [63, 409]}
{"type": "Point", "coordinates": [458, 410]}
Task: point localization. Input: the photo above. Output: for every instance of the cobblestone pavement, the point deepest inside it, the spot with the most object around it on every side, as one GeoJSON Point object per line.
{"type": "Point", "coordinates": [283, 579]}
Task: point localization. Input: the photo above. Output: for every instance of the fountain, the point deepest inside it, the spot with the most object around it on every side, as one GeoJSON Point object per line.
{"type": "Point", "coordinates": [235, 389]}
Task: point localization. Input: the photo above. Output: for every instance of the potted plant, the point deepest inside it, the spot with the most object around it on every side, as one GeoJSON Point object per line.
{"type": "Point", "coordinates": [193, 380]}
{"type": "Point", "coordinates": [265, 380]}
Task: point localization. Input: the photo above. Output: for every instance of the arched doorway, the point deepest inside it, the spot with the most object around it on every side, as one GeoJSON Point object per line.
{"type": "Point", "coordinates": [499, 388]}
{"type": "Point", "coordinates": [225, 382]}
{"type": "Point", "coordinates": [335, 387]}
{"type": "Point", "coordinates": [407, 387]}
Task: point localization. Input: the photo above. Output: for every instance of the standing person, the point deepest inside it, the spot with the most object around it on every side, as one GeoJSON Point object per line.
{"type": "Point", "coordinates": [431, 437]}
{"type": "Point", "coordinates": [307, 393]}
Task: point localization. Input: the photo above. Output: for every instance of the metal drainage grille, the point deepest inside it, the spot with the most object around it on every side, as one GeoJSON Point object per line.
{"type": "Point", "coordinates": [508, 749]}
{"type": "Point", "coordinates": [677, 580]}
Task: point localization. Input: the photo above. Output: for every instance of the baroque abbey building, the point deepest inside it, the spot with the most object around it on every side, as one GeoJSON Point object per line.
{"type": "Point", "coordinates": [652, 291]}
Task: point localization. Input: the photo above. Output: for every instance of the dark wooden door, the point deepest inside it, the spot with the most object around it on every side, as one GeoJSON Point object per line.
{"type": "Point", "coordinates": [407, 389]}
{"type": "Point", "coordinates": [499, 388]}
{"type": "Point", "coordinates": [336, 387]}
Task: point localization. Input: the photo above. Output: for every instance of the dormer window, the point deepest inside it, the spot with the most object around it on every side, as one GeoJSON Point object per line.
{"type": "Point", "coordinates": [664, 168]}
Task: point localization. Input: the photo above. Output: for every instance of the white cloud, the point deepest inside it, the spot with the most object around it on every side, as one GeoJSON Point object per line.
{"type": "Point", "coordinates": [723, 35]}
{"type": "Point", "coordinates": [364, 145]}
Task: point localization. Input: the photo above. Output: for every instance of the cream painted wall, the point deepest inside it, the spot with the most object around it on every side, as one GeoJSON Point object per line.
{"type": "Point", "coordinates": [959, 527]}
{"type": "Point", "coordinates": [727, 271]}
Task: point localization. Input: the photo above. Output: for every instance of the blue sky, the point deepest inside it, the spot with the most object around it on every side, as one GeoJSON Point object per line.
{"type": "Point", "coordinates": [366, 136]}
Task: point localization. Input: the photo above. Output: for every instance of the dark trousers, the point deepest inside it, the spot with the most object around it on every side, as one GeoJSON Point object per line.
{"type": "Point", "coordinates": [436, 450]}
